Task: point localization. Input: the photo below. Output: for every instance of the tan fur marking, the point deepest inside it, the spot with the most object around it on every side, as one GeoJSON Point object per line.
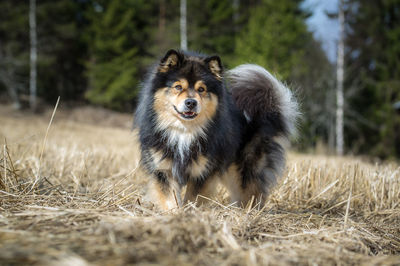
{"type": "Point", "coordinates": [157, 195]}
{"type": "Point", "coordinates": [170, 62]}
{"type": "Point", "coordinates": [166, 98]}
{"type": "Point", "coordinates": [160, 164]}
{"type": "Point", "coordinates": [161, 102]}
{"type": "Point", "coordinates": [209, 106]}
{"type": "Point", "coordinates": [208, 190]}
{"type": "Point", "coordinates": [182, 97]}
{"type": "Point", "coordinates": [261, 163]}
{"type": "Point", "coordinates": [232, 180]}
{"type": "Point", "coordinates": [164, 199]}
{"type": "Point", "coordinates": [197, 167]}
{"type": "Point", "coordinates": [200, 84]}
{"type": "Point", "coordinates": [281, 140]}
{"type": "Point", "coordinates": [215, 68]}
{"type": "Point", "coordinates": [163, 105]}
{"type": "Point", "coordinates": [183, 82]}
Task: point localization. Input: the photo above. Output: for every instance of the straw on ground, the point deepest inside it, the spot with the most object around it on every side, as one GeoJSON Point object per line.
{"type": "Point", "coordinates": [86, 206]}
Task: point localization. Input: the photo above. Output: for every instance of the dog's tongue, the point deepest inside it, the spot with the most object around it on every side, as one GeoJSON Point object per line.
{"type": "Point", "coordinates": [188, 113]}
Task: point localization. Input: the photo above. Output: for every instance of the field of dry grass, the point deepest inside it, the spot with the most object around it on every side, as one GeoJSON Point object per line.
{"type": "Point", "coordinates": [76, 198]}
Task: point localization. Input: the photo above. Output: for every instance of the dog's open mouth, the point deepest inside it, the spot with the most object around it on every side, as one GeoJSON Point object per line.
{"type": "Point", "coordinates": [186, 115]}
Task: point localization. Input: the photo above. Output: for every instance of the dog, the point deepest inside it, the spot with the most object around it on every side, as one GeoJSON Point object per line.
{"type": "Point", "coordinates": [198, 126]}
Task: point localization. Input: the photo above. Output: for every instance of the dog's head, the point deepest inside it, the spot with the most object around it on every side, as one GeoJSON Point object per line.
{"type": "Point", "coordinates": [187, 88]}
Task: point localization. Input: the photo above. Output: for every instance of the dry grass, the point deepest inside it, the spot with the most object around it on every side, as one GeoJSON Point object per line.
{"type": "Point", "coordinates": [81, 203]}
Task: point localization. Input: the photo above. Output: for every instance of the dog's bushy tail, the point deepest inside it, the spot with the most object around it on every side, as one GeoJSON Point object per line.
{"type": "Point", "coordinates": [271, 112]}
{"type": "Point", "coordinates": [264, 99]}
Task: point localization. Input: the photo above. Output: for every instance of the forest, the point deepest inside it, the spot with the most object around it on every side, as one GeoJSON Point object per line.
{"type": "Point", "coordinates": [97, 52]}
{"type": "Point", "coordinates": [72, 191]}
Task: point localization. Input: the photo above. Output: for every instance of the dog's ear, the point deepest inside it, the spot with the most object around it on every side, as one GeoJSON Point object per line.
{"type": "Point", "coordinates": [170, 60]}
{"type": "Point", "coordinates": [214, 65]}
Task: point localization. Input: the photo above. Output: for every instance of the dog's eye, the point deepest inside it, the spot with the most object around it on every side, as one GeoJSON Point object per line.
{"type": "Point", "coordinates": [178, 87]}
{"type": "Point", "coordinates": [201, 89]}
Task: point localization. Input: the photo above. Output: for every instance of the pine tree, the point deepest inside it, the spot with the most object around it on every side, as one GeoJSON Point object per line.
{"type": "Point", "coordinates": [112, 68]}
{"type": "Point", "coordinates": [275, 37]}
{"type": "Point", "coordinates": [373, 72]}
{"type": "Point", "coordinates": [211, 28]}
{"type": "Point", "coordinates": [14, 49]}
{"type": "Point", "coordinates": [116, 44]}
{"type": "Point", "coordinates": [61, 51]}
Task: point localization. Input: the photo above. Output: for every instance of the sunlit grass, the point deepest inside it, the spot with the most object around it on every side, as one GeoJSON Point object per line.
{"type": "Point", "coordinates": [83, 202]}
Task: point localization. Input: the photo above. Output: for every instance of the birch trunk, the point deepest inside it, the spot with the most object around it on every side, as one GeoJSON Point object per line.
{"type": "Point", "coordinates": [33, 54]}
{"type": "Point", "coordinates": [183, 23]}
{"type": "Point", "coordinates": [339, 91]}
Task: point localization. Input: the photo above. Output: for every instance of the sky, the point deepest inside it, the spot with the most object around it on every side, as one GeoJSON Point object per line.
{"type": "Point", "coordinates": [325, 29]}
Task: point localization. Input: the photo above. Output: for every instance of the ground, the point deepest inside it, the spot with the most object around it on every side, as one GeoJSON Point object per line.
{"type": "Point", "coordinates": [71, 194]}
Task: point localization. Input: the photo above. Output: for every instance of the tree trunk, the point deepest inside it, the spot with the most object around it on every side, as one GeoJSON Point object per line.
{"type": "Point", "coordinates": [339, 91]}
{"type": "Point", "coordinates": [183, 23]}
{"type": "Point", "coordinates": [235, 5]}
{"type": "Point", "coordinates": [33, 54]}
{"type": "Point", "coordinates": [161, 20]}
{"type": "Point", "coordinates": [13, 92]}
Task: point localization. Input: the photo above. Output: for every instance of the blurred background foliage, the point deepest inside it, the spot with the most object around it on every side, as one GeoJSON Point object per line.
{"type": "Point", "coordinates": [97, 51]}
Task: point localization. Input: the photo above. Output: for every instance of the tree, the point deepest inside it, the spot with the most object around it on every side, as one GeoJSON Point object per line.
{"type": "Point", "coordinates": [316, 94]}
{"type": "Point", "coordinates": [276, 41]}
{"type": "Point", "coordinates": [212, 30]}
{"type": "Point", "coordinates": [33, 54]}
{"type": "Point", "coordinates": [13, 48]}
{"type": "Point", "coordinates": [116, 40]}
{"type": "Point", "coordinates": [373, 63]}
{"type": "Point", "coordinates": [166, 35]}
{"type": "Point", "coordinates": [339, 85]}
{"type": "Point", "coordinates": [61, 49]}
{"type": "Point", "coordinates": [183, 24]}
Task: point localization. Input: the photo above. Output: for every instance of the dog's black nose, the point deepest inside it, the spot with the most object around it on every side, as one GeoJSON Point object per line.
{"type": "Point", "coordinates": [190, 103]}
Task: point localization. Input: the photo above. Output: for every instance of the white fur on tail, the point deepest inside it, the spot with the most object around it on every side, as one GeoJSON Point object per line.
{"type": "Point", "coordinates": [254, 76]}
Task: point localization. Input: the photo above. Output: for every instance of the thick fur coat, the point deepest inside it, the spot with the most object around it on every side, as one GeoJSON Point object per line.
{"type": "Point", "coordinates": [199, 126]}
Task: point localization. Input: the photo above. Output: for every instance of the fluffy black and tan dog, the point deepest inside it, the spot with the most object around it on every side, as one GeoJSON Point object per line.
{"type": "Point", "coordinates": [194, 131]}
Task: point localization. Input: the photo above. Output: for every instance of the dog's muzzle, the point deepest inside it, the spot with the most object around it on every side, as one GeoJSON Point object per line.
{"type": "Point", "coordinates": [190, 109]}
{"type": "Point", "coordinates": [190, 103]}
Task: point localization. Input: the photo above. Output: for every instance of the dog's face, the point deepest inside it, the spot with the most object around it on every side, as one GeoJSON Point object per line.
{"type": "Point", "coordinates": [187, 90]}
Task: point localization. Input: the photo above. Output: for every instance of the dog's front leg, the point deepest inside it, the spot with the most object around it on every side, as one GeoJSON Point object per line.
{"type": "Point", "coordinates": [200, 191]}
{"type": "Point", "coordinates": [164, 191]}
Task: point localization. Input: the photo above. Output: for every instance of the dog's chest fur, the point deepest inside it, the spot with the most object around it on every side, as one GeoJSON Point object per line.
{"type": "Point", "coordinates": [182, 156]}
